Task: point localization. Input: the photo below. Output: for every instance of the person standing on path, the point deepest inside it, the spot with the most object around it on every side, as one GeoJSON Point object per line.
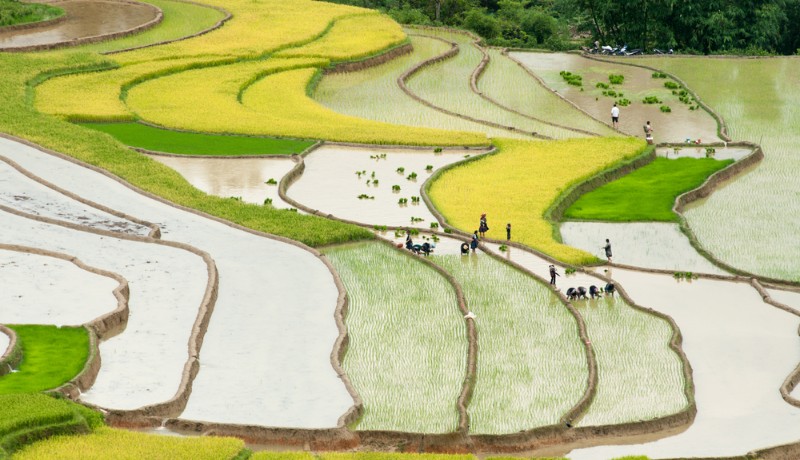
{"type": "Point", "coordinates": [607, 247]}
{"type": "Point", "coordinates": [648, 133]}
{"type": "Point", "coordinates": [508, 231]}
{"type": "Point", "coordinates": [553, 274]}
{"type": "Point", "coordinates": [483, 227]}
{"type": "Point", "coordinates": [615, 116]}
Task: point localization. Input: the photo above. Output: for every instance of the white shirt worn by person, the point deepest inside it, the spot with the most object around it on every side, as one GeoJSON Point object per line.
{"type": "Point", "coordinates": [615, 112]}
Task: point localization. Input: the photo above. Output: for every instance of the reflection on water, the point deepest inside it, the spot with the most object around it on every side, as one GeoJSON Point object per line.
{"type": "Point", "coordinates": [692, 151]}
{"type": "Point", "coordinates": [243, 178]}
{"type": "Point", "coordinates": [83, 19]}
{"type": "Point", "coordinates": [641, 244]}
{"type": "Point", "coordinates": [366, 184]}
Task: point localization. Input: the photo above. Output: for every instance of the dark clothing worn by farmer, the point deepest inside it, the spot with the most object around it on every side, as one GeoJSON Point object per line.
{"type": "Point", "coordinates": [553, 274]}
{"type": "Point", "coordinates": [607, 247]}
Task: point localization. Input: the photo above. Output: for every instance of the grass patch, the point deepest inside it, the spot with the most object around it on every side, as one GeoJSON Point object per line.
{"type": "Point", "coordinates": [408, 343]}
{"type": "Point", "coordinates": [13, 12]}
{"type": "Point", "coordinates": [51, 356]}
{"type": "Point", "coordinates": [105, 443]}
{"type": "Point", "coordinates": [164, 140]}
{"type": "Point", "coordinates": [521, 182]}
{"type": "Point", "coordinates": [25, 418]}
{"type": "Point", "coordinates": [646, 194]}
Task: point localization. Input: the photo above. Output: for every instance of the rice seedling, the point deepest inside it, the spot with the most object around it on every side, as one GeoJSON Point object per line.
{"type": "Point", "coordinates": [164, 140]}
{"type": "Point", "coordinates": [408, 345]}
{"type": "Point", "coordinates": [646, 194]}
{"type": "Point", "coordinates": [760, 207]}
{"type": "Point", "coordinates": [181, 19]}
{"type": "Point", "coordinates": [106, 443]}
{"type": "Point", "coordinates": [665, 109]}
{"type": "Point", "coordinates": [571, 78]}
{"type": "Point", "coordinates": [531, 366]}
{"type": "Point", "coordinates": [639, 376]}
{"type": "Point", "coordinates": [356, 93]}
{"type": "Point", "coordinates": [616, 79]}
{"type": "Point", "coordinates": [51, 357]}
{"type": "Point", "coordinates": [285, 455]}
{"type": "Point", "coordinates": [521, 181]}
{"type": "Point", "coordinates": [375, 32]}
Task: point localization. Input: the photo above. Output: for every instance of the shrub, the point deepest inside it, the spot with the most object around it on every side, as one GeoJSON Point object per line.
{"type": "Point", "coordinates": [671, 85]}
{"type": "Point", "coordinates": [616, 79]}
{"type": "Point", "coordinates": [571, 78]}
{"type": "Point", "coordinates": [665, 109]}
{"type": "Point", "coordinates": [651, 100]}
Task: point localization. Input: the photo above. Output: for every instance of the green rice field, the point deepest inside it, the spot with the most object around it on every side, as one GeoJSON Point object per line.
{"type": "Point", "coordinates": [51, 356]}
{"type": "Point", "coordinates": [531, 365]}
{"type": "Point", "coordinates": [177, 142]}
{"type": "Point", "coordinates": [646, 194]}
{"type": "Point", "coordinates": [408, 341]}
{"type": "Point", "coordinates": [639, 376]}
{"type": "Point", "coordinates": [751, 222]}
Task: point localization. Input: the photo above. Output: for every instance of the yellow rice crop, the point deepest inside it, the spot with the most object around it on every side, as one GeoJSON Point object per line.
{"type": "Point", "coordinates": [520, 182]}
{"type": "Point", "coordinates": [275, 105]}
{"type": "Point", "coordinates": [107, 443]}
{"type": "Point", "coordinates": [96, 95]}
{"type": "Point", "coordinates": [257, 27]}
{"type": "Point", "coordinates": [342, 42]}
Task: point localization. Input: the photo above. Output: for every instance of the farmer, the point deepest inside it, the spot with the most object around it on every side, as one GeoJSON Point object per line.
{"type": "Point", "coordinates": [483, 227]}
{"type": "Point", "coordinates": [615, 116]}
{"type": "Point", "coordinates": [409, 243]}
{"type": "Point", "coordinates": [474, 243]}
{"type": "Point", "coordinates": [648, 133]}
{"type": "Point", "coordinates": [607, 247]}
{"type": "Point", "coordinates": [553, 274]}
{"type": "Point", "coordinates": [464, 249]}
{"type": "Point", "coordinates": [508, 231]}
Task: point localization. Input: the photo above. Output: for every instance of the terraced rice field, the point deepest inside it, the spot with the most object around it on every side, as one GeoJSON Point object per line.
{"type": "Point", "coordinates": [408, 341]}
{"type": "Point", "coordinates": [640, 377]}
{"type": "Point", "coordinates": [532, 367]}
{"type": "Point", "coordinates": [758, 100]}
{"type": "Point", "coordinates": [367, 94]}
{"type": "Point", "coordinates": [676, 126]}
{"type": "Point", "coordinates": [454, 95]}
{"type": "Point", "coordinates": [234, 323]}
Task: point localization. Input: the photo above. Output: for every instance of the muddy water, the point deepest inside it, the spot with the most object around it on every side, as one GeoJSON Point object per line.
{"type": "Point", "coordinates": [640, 244]}
{"type": "Point", "coordinates": [677, 126]}
{"type": "Point", "coordinates": [692, 151]}
{"type": "Point", "coordinates": [330, 184]}
{"type": "Point", "coordinates": [740, 349]}
{"type": "Point", "coordinates": [83, 19]}
{"type": "Point", "coordinates": [37, 289]}
{"type": "Point", "coordinates": [234, 177]}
